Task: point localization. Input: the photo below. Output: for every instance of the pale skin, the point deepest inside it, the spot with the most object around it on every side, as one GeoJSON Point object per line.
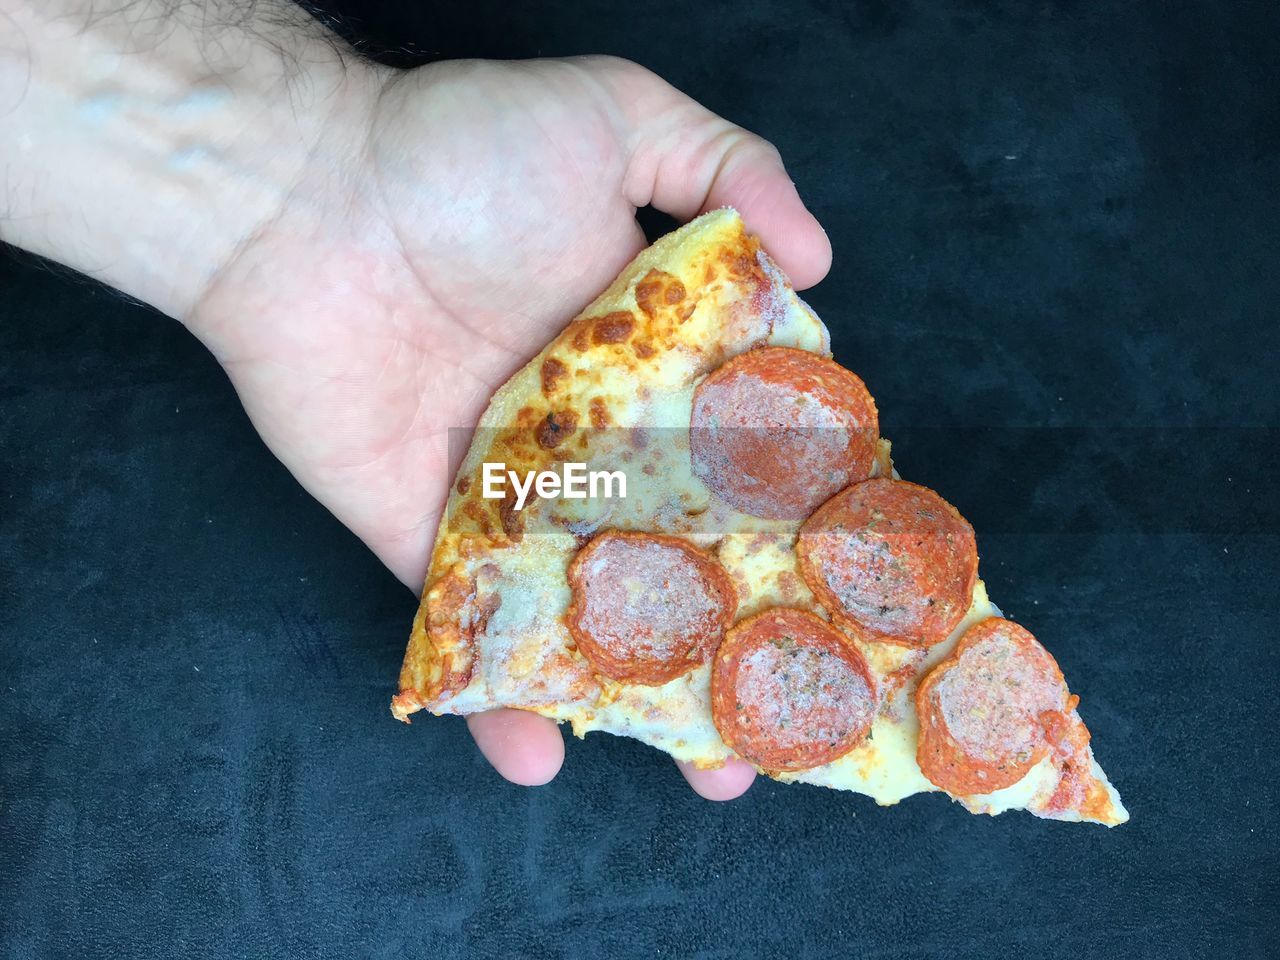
{"type": "Point", "coordinates": [368, 252]}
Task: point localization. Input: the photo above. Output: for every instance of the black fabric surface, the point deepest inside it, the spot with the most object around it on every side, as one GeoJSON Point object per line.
{"type": "Point", "coordinates": [1056, 241]}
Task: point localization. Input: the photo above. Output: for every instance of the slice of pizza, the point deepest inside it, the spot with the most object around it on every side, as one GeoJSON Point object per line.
{"type": "Point", "coordinates": [679, 523]}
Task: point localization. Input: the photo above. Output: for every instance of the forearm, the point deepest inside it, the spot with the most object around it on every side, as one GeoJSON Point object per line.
{"type": "Point", "coordinates": [145, 145]}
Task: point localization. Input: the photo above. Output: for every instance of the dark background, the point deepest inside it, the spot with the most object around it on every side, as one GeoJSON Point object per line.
{"type": "Point", "coordinates": [1056, 242]}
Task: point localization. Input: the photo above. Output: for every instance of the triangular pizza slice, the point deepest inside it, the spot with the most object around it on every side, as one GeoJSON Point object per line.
{"type": "Point", "coordinates": [679, 523]}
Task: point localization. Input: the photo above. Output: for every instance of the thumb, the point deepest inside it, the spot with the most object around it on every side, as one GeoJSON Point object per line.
{"type": "Point", "coordinates": [685, 160]}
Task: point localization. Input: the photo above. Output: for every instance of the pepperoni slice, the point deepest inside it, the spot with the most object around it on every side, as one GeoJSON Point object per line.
{"type": "Point", "coordinates": [776, 431]}
{"type": "Point", "coordinates": [892, 560]}
{"type": "Point", "coordinates": [790, 692]}
{"type": "Point", "coordinates": [989, 712]}
{"type": "Point", "coordinates": [647, 608]}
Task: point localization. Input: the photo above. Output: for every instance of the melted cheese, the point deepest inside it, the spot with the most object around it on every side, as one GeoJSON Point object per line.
{"type": "Point", "coordinates": [631, 400]}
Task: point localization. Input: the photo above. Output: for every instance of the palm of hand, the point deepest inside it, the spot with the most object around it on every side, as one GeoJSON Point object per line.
{"type": "Point", "coordinates": [481, 206]}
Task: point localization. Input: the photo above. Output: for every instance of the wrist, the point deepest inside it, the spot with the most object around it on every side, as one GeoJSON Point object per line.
{"type": "Point", "coordinates": [146, 152]}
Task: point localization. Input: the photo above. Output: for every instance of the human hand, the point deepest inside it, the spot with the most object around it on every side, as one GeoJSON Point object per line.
{"type": "Point", "coordinates": [427, 234]}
